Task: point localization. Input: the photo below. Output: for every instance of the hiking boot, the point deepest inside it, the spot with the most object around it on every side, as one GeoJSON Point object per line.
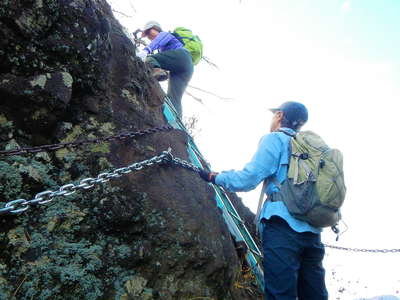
{"type": "Point", "coordinates": [159, 74]}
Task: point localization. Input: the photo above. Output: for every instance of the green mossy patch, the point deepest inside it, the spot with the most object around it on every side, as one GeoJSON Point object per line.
{"type": "Point", "coordinates": [101, 148]}
{"type": "Point", "coordinates": [11, 181]}
{"type": "Point", "coordinates": [139, 236]}
{"type": "Point", "coordinates": [72, 136]}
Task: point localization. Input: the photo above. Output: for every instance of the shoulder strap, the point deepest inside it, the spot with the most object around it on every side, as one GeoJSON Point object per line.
{"type": "Point", "coordinates": [265, 183]}
{"type": "Point", "coordinates": [261, 199]}
{"type": "Point", "coordinates": [287, 133]}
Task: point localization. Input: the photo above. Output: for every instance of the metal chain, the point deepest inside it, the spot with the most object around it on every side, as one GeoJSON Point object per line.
{"type": "Point", "coordinates": [21, 205]}
{"type": "Point", "coordinates": [184, 164]}
{"type": "Point", "coordinates": [363, 250]}
{"type": "Point", "coordinates": [54, 147]}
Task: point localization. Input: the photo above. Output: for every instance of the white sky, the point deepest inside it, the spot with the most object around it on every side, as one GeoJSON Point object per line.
{"type": "Point", "coordinates": [332, 57]}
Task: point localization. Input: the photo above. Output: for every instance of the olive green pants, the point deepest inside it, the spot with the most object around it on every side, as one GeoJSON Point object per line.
{"type": "Point", "coordinates": [180, 66]}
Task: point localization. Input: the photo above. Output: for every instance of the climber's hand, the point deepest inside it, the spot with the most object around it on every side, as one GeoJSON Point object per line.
{"type": "Point", "coordinates": [142, 54]}
{"type": "Point", "coordinates": [208, 176]}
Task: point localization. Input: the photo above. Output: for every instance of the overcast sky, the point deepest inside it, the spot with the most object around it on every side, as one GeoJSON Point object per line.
{"type": "Point", "coordinates": [341, 59]}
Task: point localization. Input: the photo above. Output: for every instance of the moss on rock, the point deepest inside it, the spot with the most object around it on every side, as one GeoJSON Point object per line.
{"type": "Point", "coordinates": [69, 73]}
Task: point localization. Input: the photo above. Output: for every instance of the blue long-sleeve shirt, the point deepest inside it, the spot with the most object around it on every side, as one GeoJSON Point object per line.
{"type": "Point", "coordinates": [164, 41]}
{"type": "Point", "coordinates": [271, 159]}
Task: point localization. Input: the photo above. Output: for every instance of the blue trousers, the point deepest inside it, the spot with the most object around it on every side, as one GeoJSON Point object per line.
{"type": "Point", "coordinates": [292, 263]}
{"type": "Point", "coordinates": [180, 66]}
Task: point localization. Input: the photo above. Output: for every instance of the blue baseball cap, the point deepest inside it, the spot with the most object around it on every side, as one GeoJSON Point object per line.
{"type": "Point", "coordinates": [294, 112]}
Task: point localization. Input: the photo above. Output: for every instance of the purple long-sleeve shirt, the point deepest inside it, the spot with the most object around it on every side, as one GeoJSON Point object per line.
{"type": "Point", "coordinates": [164, 41]}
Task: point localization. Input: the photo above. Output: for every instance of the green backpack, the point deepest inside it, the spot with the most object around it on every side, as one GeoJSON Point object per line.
{"type": "Point", "coordinates": [191, 42]}
{"type": "Point", "coordinates": [314, 190]}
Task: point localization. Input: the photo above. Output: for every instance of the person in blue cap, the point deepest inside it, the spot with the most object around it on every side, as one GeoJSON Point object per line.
{"type": "Point", "coordinates": [172, 57]}
{"type": "Point", "coordinates": [292, 248]}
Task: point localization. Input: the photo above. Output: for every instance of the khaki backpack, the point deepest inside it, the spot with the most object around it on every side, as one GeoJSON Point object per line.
{"type": "Point", "coordinates": [314, 189]}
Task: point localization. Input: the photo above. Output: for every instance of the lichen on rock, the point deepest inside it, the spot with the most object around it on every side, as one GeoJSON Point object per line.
{"type": "Point", "coordinates": [150, 234]}
{"type": "Point", "coordinates": [39, 81]}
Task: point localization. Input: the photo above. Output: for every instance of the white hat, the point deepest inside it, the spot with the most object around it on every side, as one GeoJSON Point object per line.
{"type": "Point", "coordinates": [151, 24]}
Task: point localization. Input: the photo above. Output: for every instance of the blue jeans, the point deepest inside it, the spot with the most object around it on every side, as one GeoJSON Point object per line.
{"type": "Point", "coordinates": [292, 263]}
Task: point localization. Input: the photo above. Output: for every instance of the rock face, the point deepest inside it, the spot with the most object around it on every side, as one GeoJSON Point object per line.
{"type": "Point", "coordinates": [67, 73]}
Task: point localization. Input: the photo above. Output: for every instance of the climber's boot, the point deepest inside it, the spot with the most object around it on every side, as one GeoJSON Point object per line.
{"type": "Point", "coordinates": [159, 74]}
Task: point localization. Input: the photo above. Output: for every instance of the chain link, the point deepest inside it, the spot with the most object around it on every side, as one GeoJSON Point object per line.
{"type": "Point", "coordinates": [363, 250]}
{"type": "Point", "coordinates": [184, 164]}
{"type": "Point", "coordinates": [21, 205]}
{"type": "Point", "coordinates": [55, 147]}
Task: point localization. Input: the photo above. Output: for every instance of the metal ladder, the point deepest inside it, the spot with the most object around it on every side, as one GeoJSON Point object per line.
{"type": "Point", "coordinates": [232, 219]}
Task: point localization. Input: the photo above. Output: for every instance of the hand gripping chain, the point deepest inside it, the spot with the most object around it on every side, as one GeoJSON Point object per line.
{"type": "Point", "coordinates": [75, 144]}
{"type": "Point", "coordinates": [20, 205]}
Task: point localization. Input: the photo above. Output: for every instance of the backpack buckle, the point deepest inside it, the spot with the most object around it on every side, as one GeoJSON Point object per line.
{"type": "Point", "coordinates": [304, 156]}
{"type": "Point", "coordinates": [336, 230]}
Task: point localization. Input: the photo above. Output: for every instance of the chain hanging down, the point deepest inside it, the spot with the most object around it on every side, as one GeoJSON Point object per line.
{"type": "Point", "coordinates": [21, 205]}
{"type": "Point", "coordinates": [75, 144]}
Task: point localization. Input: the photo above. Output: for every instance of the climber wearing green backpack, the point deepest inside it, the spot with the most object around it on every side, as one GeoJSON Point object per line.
{"type": "Point", "coordinates": [191, 42]}
{"type": "Point", "coordinates": [304, 186]}
{"type": "Point", "coordinates": [178, 52]}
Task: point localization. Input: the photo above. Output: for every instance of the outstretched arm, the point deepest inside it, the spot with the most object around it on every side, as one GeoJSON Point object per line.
{"type": "Point", "coordinates": [162, 39]}
{"type": "Point", "coordinates": [264, 163]}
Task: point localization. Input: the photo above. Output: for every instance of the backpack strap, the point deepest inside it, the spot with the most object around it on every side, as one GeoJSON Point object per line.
{"type": "Point", "coordinates": [299, 157]}
{"type": "Point", "coordinates": [275, 181]}
{"type": "Point", "coordinates": [260, 201]}
{"type": "Point", "coordinates": [187, 38]}
{"type": "Point", "coordinates": [272, 179]}
{"type": "Point", "coordinates": [181, 38]}
{"type": "Point", "coordinates": [287, 133]}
